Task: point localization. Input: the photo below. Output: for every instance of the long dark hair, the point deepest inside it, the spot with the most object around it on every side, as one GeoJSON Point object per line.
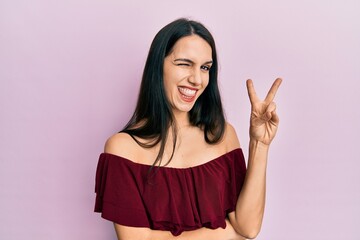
{"type": "Point", "coordinates": [153, 115]}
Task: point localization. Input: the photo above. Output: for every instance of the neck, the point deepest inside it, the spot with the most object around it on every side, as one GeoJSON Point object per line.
{"type": "Point", "coordinates": [182, 119]}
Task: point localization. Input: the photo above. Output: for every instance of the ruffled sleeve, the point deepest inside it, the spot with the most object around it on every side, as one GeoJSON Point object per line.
{"type": "Point", "coordinates": [117, 193]}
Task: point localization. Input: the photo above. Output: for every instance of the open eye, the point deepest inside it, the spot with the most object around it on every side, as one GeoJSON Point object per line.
{"type": "Point", "coordinates": [206, 68]}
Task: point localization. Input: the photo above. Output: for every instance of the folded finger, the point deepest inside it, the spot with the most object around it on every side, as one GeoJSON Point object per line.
{"type": "Point", "coordinates": [274, 117]}
{"type": "Point", "coordinates": [271, 107]}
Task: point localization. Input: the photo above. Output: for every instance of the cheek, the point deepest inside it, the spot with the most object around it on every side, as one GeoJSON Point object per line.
{"type": "Point", "coordinates": [173, 76]}
{"type": "Point", "coordinates": [167, 87]}
{"type": "Point", "coordinates": [205, 84]}
{"type": "Point", "coordinates": [206, 81]}
{"type": "Point", "coordinates": [168, 80]}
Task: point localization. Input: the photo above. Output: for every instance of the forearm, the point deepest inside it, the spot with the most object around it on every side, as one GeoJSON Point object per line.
{"type": "Point", "coordinates": [250, 205]}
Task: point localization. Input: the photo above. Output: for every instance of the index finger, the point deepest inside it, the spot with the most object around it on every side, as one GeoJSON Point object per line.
{"type": "Point", "coordinates": [271, 94]}
{"type": "Point", "coordinates": [251, 91]}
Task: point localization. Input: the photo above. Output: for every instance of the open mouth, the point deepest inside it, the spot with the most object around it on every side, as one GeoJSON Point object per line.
{"type": "Point", "coordinates": [187, 94]}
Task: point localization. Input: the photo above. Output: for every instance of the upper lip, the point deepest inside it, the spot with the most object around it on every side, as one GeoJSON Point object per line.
{"type": "Point", "coordinates": [191, 88]}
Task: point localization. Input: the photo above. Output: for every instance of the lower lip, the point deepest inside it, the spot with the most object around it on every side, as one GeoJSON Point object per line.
{"type": "Point", "coordinates": [187, 98]}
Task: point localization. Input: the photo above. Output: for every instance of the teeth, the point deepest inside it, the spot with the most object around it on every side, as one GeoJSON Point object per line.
{"type": "Point", "coordinates": [187, 92]}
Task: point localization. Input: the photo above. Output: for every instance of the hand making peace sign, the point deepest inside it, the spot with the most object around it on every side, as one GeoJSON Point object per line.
{"type": "Point", "coordinates": [263, 119]}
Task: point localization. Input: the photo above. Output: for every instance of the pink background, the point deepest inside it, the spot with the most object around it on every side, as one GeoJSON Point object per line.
{"type": "Point", "coordinates": [70, 72]}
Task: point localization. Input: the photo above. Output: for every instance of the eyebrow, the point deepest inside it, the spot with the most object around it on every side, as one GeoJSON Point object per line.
{"type": "Point", "coordinates": [190, 61]}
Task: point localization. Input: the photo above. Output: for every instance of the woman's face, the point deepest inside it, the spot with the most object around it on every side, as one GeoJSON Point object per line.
{"type": "Point", "coordinates": [186, 72]}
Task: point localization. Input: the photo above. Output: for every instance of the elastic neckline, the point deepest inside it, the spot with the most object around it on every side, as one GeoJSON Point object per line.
{"type": "Point", "coordinates": [175, 168]}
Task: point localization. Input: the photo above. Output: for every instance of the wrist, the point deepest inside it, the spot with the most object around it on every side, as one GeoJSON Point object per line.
{"type": "Point", "coordinates": [258, 153]}
{"type": "Point", "coordinates": [258, 145]}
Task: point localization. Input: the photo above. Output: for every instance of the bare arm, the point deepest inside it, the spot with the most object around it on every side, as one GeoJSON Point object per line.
{"type": "Point", "coordinates": [249, 212]}
{"type": "Point", "coordinates": [250, 205]}
{"type": "Point", "coordinates": [134, 233]}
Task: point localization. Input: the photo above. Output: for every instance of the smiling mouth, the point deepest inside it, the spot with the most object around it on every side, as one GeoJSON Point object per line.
{"type": "Point", "coordinates": [187, 94]}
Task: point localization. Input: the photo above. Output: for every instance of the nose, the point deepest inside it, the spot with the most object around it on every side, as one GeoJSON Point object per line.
{"type": "Point", "coordinates": [195, 77]}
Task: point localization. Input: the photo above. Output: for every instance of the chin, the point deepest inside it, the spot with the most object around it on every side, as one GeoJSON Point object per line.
{"type": "Point", "coordinates": [184, 108]}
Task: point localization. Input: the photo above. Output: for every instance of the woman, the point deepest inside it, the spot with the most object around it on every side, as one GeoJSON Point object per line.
{"type": "Point", "coordinates": [177, 171]}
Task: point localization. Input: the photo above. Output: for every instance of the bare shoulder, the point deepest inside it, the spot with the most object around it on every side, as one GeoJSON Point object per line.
{"type": "Point", "coordinates": [121, 144]}
{"type": "Point", "coordinates": [231, 140]}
